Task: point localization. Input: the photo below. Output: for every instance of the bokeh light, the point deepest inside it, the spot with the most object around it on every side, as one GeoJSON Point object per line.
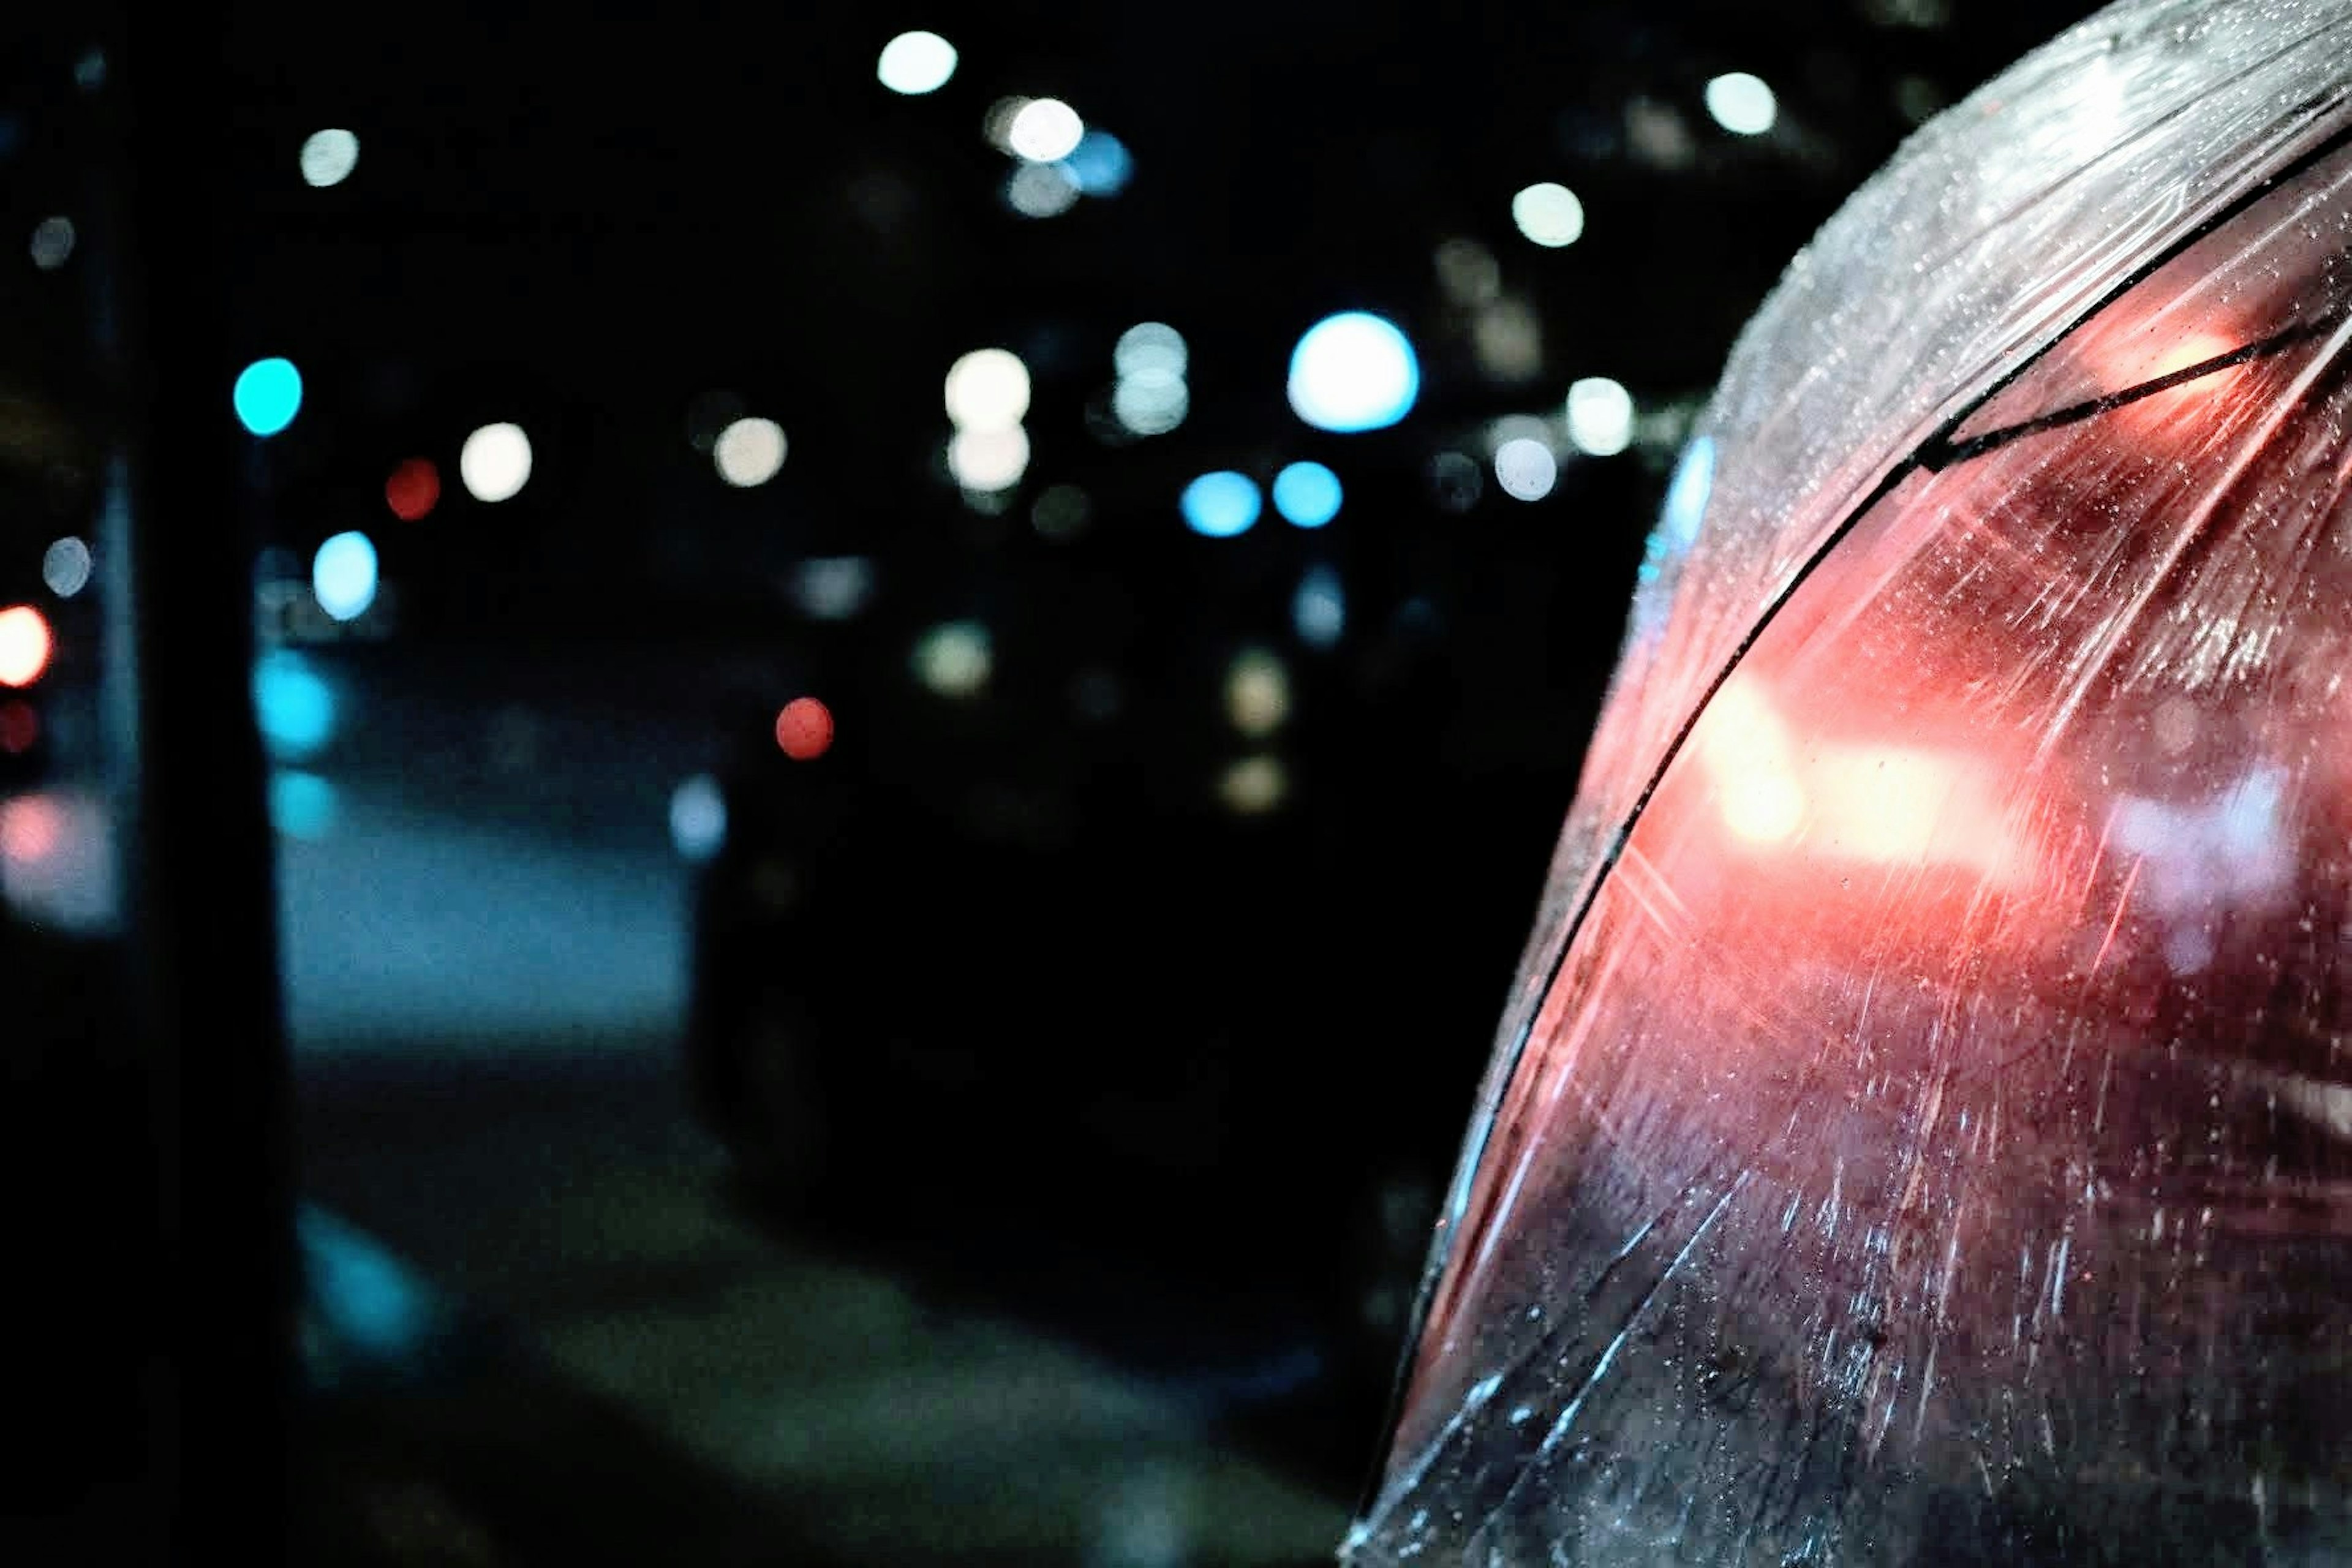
{"type": "Point", "coordinates": [1741, 103]}
{"type": "Point", "coordinates": [329, 157]}
{"type": "Point", "coordinates": [1318, 611]}
{"type": "Point", "coordinates": [268, 395]}
{"type": "Point", "coordinates": [1600, 416]}
{"type": "Point", "coordinates": [749, 452]}
{"type": "Point", "coordinates": [955, 659]}
{"type": "Point", "coordinates": [301, 805]}
{"type": "Point", "coordinates": [20, 726]}
{"type": "Point", "coordinates": [804, 728]}
{"type": "Point", "coordinates": [343, 575]}
{"type": "Point", "coordinates": [697, 817]}
{"type": "Point", "coordinates": [25, 644]}
{"type": "Point", "coordinates": [1456, 482]}
{"type": "Point", "coordinates": [1100, 164]}
{"type": "Point", "coordinates": [833, 587]}
{"type": "Point", "coordinates": [1353, 372]}
{"type": "Point", "coordinates": [1306, 494]}
{"type": "Point", "coordinates": [1257, 693]}
{"type": "Point", "coordinates": [989, 460]}
{"type": "Point", "coordinates": [987, 389]}
{"type": "Point", "coordinates": [412, 490]}
{"type": "Point", "coordinates": [997, 124]}
{"type": "Point", "coordinates": [1149, 348]}
{"type": "Point", "coordinates": [1042, 190]}
{"type": "Point", "coordinates": [53, 243]}
{"type": "Point", "coordinates": [495, 463]}
{"type": "Point", "coordinates": [1254, 784]}
{"type": "Point", "coordinates": [916, 63]}
{"type": "Point", "coordinates": [1152, 403]}
{"type": "Point", "coordinates": [1548, 214]}
{"type": "Point", "coordinates": [1468, 272]}
{"type": "Point", "coordinates": [1044, 130]}
{"type": "Point", "coordinates": [65, 566]}
{"type": "Point", "coordinates": [292, 704]}
{"type": "Point", "coordinates": [1220, 505]}
{"type": "Point", "coordinates": [1526, 468]}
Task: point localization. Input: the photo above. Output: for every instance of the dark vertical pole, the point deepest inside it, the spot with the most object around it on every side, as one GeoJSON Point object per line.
{"type": "Point", "coordinates": [197, 853]}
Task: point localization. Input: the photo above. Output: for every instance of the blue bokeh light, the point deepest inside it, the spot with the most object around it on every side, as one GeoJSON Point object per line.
{"type": "Point", "coordinates": [1099, 165]}
{"type": "Point", "coordinates": [294, 706]}
{"type": "Point", "coordinates": [1353, 372]}
{"type": "Point", "coordinates": [1221, 505]}
{"type": "Point", "coordinates": [268, 395]}
{"type": "Point", "coordinates": [343, 575]}
{"type": "Point", "coordinates": [1319, 609]}
{"type": "Point", "coordinates": [1307, 494]}
{"type": "Point", "coordinates": [301, 805]}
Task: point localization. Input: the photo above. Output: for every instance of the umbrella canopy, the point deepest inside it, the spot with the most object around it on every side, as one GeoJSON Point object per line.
{"type": "Point", "coordinates": [1922, 1128]}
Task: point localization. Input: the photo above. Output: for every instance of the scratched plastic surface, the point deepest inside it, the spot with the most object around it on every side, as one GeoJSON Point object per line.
{"type": "Point", "coordinates": [1922, 1132]}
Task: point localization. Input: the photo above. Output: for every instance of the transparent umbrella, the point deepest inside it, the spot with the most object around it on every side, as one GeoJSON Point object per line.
{"type": "Point", "coordinates": [1922, 1129]}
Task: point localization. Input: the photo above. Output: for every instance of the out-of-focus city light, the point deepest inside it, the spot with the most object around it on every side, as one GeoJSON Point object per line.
{"type": "Point", "coordinates": [25, 644]}
{"type": "Point", "coordinates": [1220, 505]}
{"type": "Point", "coordinates": [32, 827]}
{"type": "Point", "coordinates": [1062, 511]}
{"type": "Point", "coordinates": [955, 659]}
{"type": "Point", "coordinates": [1254, 784]}
{"type": "Point", "coordinates": [997, 124]}
{"type": "Point", "coordinates": [1044, 130]}
{"type": "Point", "coordinates": [1468, 272]}
{"type": "Point", "coordinates": [20, 727]}
{"type": "Point", "coordinates": [1600, 416]}
{"type": "Point", "coordinates": [1149, 348]}
{"type": "Point", "coordinates": [65, 566]}
{"type": "Point", "coordinates": [1353, 372]}
{"type": "Point", "coordinates": [301, 805]}
{"type": "Point", "coordinates": [1508, 339]}
{"type": "Point", "coordinates": [804, 728]}
{"type": "Point", "coordinates": [987, 389]}
{"type": "Point", "coordinates": [412, 490]}
{"type": "Point", "coordinates": [329, 157]}
{"type": "Point", "coordinates": [1042, 190]}
{"type": "Point", "coordinates": [989, 460]}
{"type": "Point", "coordinates": [1526, 468]}
{"type": "Point", "coordinates": [833, 588]}
{"type": "Point", "coordinates": [268, 395]}
{"type": "Point", "coordinates": [1549, 213]}
{"type": "Point", "coordinates": [53, 243]}
{"type": "Point", "coordinates": [495, 462]}
{"type": "Point", "coordinates": [1100, 164]}
{"type": "Point", "coordinates": [1318, 611]}
{"type": "Point", "coordinates": [343, 575]}
{"type": "Point", "coordinates": [916, 63]}
{"type": "Point", "coordinates": [1306, 494]}
{"type": "Point", "coordinates": [1686, 495]}
{"type": "Point", "coordinates": [1455, 481]}
{"type": "Point", "coordinates": [1741, 103]}
{"type": "Point", "coordinates": [294, 707]}
{"type": "Point", "coordinates": [697, 817]}
{"type": "Point", "coordinates": [1257, 693]}
{"type": "Point", "coordinates": [749, 452]}
{"type": "Point", "coordinates": [1152, 403]}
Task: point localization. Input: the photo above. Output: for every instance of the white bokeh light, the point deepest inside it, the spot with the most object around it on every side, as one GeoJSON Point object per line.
{"type": "Point", "coordinates": [987, 389]}
{"type": "Point", "coordinates": [1041, 190]}
{"type": "Point", "coordinates": [988, 460]}
{"type": "Point", "coordinates": [955, 659]}
{"type": "Point", "coordinates": [1150, 405]}
{"type": "Point", "coordinates": [1741, 103]}
{"type": "Point", "coordinates": [495, 462]}
{"type": "Point", "coordinates": [1548, 214]}
{"type": "Point", "coordinates": [329, 157]}
{"type": "Point", "coordinates": [1600, 416]}
{"type": "Point", "coordinates": [916, 63]}
{"type": "Point", "coordinates": [53, 243]}
{"type": "Point", "coordinates": [65, 566]}
{"type": "Point", "coordinates": [343, 575]}
{"type": "Point", "coordinates": [1353, 372]}
{"type": "Point", "coordinates": [1045, 130]}
{"type": "Point", "coordinates": [1149, 348]}
{"type": "Point", "coordinates": [749, 452]}
{"type": "Point", "coordinates": [1526, 468]}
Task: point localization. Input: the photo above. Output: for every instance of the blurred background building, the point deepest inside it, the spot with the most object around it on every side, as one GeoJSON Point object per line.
{"type": "Point", "coordinates": [1190, 464]}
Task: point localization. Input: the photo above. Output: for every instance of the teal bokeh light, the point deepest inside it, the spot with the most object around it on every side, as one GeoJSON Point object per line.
{"type": "Point", "coordinates": [269, 394]}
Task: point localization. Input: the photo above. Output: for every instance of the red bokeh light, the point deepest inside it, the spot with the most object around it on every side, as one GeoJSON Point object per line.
{"type": "Point", "coordinates": [804, 728]}
{"type": "Point", "coordinates": [25, 644]}
{"type": "Point", "coordinates": [20, 727]}
{"type": "Point", "coordinates": [414, 489]}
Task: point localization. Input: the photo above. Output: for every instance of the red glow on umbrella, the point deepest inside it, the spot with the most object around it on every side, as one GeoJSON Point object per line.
{"type": "Point", "coordinates": [804, 728]}
{"type": "Point", "coordinates": [414, 489]}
